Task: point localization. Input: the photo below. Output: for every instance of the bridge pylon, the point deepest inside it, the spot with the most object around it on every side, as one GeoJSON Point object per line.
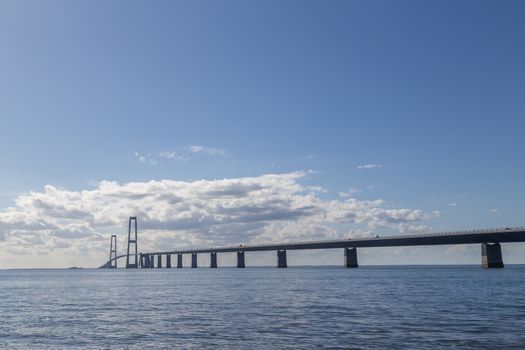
{"type": "Point", "coordinates": [132, 244]}
{"type": "Point", "coordinates": [112, 263]}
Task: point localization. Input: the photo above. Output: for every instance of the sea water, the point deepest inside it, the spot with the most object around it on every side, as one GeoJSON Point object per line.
{"type": "Point", "coordinates": [410, 307]}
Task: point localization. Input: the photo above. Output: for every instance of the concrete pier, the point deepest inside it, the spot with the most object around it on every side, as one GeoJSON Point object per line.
{"type": "Point", "coordinates": [240, 260]}
{"type": "Point", "coordinates": [159, 261]}
{"type": "Point", "coordinates": [213, 260]}
{"type": "Point", "coordinates": [151, 261]}
{"type": "Point", "coordinates": [281, 259]}
{"type": "Point", "coordinates": [168, 261]}
{"type": "Point", "coordinates": [350, 257]}
{"type": "Point", "coordinates": [194, 260]}
{"type": "Point", "coordinates": [491, 255]}
{"type": "Point", "coordinates": [179, 261]}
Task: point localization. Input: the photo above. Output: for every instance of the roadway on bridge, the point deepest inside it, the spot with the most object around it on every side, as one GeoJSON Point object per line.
{"type": "Point", "coordinates": [500, 235]}
{"type": "Point", "coordinates": [461, 237]}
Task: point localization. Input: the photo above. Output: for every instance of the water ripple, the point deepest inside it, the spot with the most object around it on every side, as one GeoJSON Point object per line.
{"type": "Point", "coordinates": [264, 308]}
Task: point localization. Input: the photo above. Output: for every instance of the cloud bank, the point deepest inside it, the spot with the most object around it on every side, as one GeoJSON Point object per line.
{"type": "Point", "coordinates": [171, 214]}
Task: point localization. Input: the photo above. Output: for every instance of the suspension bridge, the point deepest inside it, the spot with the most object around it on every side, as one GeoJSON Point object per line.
{"type": "Point", "coordinates": [490, 240]}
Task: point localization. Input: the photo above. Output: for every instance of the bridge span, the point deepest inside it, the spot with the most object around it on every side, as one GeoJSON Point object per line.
{"type": "Point", "coordinates": [489, 239]}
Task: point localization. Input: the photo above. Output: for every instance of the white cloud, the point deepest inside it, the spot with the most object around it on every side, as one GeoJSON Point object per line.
{"type": "Point", "coordinates": [405, 228]}
{"type": "Point", "coordinates": [267, 208]}
{"type": "Point", "coordinates": [351, 191]}
{"type": "Point", "coordinates": [146, 158]}
{"type": "Point", "coordinates": [171, 155]}
{"type": "Point", "coordinates": [180, 154]}
{"type": "Point", "coordinates": [494, 210]}
{"type": "Point", "coordinates": [452, 204]}
{"type": "Point", "coordinates": [207, 150]}
{"type": "Point", "coordinates": [369, 166]}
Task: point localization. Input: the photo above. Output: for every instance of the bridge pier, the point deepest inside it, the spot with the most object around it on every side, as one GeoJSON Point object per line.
{"type": "Point", "coordinates": [491, 255]}
{"type": "Point", "coordinates": [151, 261]}
{"type": "Point", "coordinates": [194, 260]}
{"type": "Point", "coordinates": [213, 260]}
{"type": "Point", "coordinates": [240, 260]}
{"type": "Point", "coordinates": [168, 261]}
{"type": "Point", "coordinates": [159, 261]}
{"type": "Point", "coordinates": [179, 261]}
{"type": "Point", "coordinates": [281, 259]}
{"type": "Point", "coordinates": [351, 257]}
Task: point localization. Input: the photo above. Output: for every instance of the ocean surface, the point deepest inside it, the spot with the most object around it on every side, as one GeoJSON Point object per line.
{"type": "Point", "coordinates": [412, 307]}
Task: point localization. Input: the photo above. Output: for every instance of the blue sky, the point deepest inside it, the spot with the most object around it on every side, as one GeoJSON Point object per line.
{"type": "Point", "coordinates": [133, 91]}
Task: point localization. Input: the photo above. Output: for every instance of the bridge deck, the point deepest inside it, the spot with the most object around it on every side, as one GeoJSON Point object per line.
{"type": "Point", "coordinates": [460, 237]}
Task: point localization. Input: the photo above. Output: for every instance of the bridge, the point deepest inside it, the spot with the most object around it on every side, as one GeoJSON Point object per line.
{"type": "Point", "coordinates": [490, 240]}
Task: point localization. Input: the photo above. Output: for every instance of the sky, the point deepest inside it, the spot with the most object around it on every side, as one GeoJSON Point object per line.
{"type": "Point", "coordinates": [229, 122]}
